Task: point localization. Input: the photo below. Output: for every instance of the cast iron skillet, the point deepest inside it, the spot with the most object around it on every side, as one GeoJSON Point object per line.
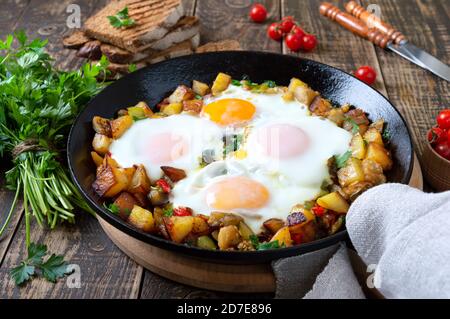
{"type": "Point", "coordinates": [154, 83]}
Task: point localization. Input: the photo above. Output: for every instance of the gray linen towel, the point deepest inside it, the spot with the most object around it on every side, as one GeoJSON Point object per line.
{"type": "Point", "coordinates": [401, 231]}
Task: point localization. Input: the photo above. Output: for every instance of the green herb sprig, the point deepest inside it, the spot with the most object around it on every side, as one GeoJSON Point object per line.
{"type": "Point", "coordinates": [264, 246]}
{"type": "Point", "coordinates": [38, 105]}
{"type": "Point", "coordinates": [341, 160]}
{"type": "Point", "coordinates": [121, 19]}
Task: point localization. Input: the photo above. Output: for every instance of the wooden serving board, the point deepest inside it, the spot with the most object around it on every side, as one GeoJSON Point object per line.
{"type": "Point", "coordinates": [212, 276]}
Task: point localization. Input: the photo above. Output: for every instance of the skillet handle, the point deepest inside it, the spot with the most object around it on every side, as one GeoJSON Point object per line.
{"type": "Point", "coordinates": [373, 21]}
{"type": "Point", "coordinates": [354, 25]}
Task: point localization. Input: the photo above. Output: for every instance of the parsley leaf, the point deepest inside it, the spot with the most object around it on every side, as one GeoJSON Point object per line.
{"type": "Point", "coordinates": [121, 19]}
{"type": "Point", "coordinates": [168, 212]}
{"type": "Point", "coordinates": [132, 67]}
{"type": "Point", "coordinates": [270, 84]}
{"type": "Point", "coordinates": [113, 208]}
{"type": "Point", "coordinates": [355, 126]}
{"type": "Point", "coordinates": [341, 160]}
{"type": "Point", "coordinates": [236, 83]}
{"type": "Point", "coordinates": [386, 134]}
{"type": "Point", "coordinates": [264, 246]}
{"type": "Point", "coordinates": [22, 273]}
{"type": "Point", "coordinates": [55, 267]}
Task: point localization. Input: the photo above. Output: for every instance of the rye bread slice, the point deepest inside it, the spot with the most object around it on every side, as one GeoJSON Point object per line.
{"type": "Point", "coordinates": [225, 45]}
{"type": "Point", "coordinates": [153, 19]}
{"type": "Point", "coordinates": [76, 40]}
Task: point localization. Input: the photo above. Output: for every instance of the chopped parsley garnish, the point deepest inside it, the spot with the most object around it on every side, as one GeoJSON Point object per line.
{"type": "Point", "coordinates": [309, 204]}
{"type": "Point", "coordinates": [121, 19]}
{"type": "Point", "coordinates": [264, 246]}
{"type": "Point", "coordinates": [386, 134]}
{"type": "Point", "coordinates": [270, 84]}
{"type": "Point", "coordinates": [341, 160]}
{"type": "Point", "coordinates": [113, 208]}
{"type": "Point", "coordinates": [355, 126]}
{"type": "Point", "coordinates": [236, 83]}
{"type": "Point", "coordinates": [168, 212]}
{"type": "Point", "coordinates": [198, 97]}
{"type": "Point", "coordinates": [232, 143]}
{"type": "Point", "coordinates": [132, 67]}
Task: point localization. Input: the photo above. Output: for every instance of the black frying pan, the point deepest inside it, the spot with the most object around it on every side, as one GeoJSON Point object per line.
{"type": "Point", "coordinates": [154, 83]}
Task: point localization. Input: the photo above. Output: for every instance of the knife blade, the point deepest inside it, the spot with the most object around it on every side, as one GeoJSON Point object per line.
{"type": "Point", "coordinates": [421, 58]}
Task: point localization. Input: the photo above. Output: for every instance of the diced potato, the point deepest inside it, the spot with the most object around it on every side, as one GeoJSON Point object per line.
{"type": "Point", "coordinates": [372, 135]}
{"type": "Point", "coordinates": [335, 115]}
{"type": "Point", "coordinates": [158, 115]}
{"type": "Point", "coordinates": [101, 143]}
{"type": "Point", "coordinates": [245, 231]}
{"type": "Point", "coordinates": [140, 183]}
{"type": "Point", "coordinates": [305, 95]}
{"type": "Point", "coordinates": [158, 216]}
{"type": "Point", "coordinates": [351, 173]}
{"type": "Point", "coordinates": [174, 174]}
{"type": "Point", "coordinates": [179, 227]}
{"type": "Point", "coordinates": [110, 181]}
{"type": "Point", "coordinates": [288, 96]}
{"type": "Point", "coordinates": [295, 83]}
{"type": "Point", "coordinates": [206, 242]}
{"type": "Point", "coordinates": [98, 160]}
{"type": "Point", "coordinates": [120, 125]}
{"type": "Point", "coordinates": [352, 191]}
{"type": "Point", "coordinates": [274, 224]}
{"type": "Point", "coordinates": [283, 236]}
{"type": "Point", "coordinates": [172, 108]}
{"type": "Point", "coordinates": [219, 219]}
{"type": "Point", "coordinates": [129, 172]}
{"type": "Point", "coordinates": [322, 107]}
{"type": "Point", "coordinates": [142, 219]}
{"type": "Point", "coordinates": [379, 154]}
{"type": "Point", "coordinates": [101, 125]}
{"type": "Point", "coordinates": [228, 237]}
{"type": "Point", "coordinates": [158, 197]}
{"type": "Point", "coordinates": [193, 106]}
{"type": "Point", "coordinates": [373, 172]}
{"type": "Point", "coordinates": [335, 202]}
{"type": "Point", "coordinates": [200, 88]}
{"type": "Point", "coordinates": [358, 146]}
{"type": "Point", "coordinates": [221, 83]}
{"type": "Point", "coordinates": [125, 202]}
{"type": "Point", "coordinates": [140, 111]}
{"type": "Point", "coordinates": [181, 93]}
{"type": "Point", "coordinates": [303, 233]}
{"type": "Point", "coordinates": [378, 125]}
{"type": "Point", "coordinates": [200, 226]}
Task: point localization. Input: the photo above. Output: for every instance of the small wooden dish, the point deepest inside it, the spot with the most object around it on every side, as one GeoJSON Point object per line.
{"type": "Point", "coordinates": [436, 169]}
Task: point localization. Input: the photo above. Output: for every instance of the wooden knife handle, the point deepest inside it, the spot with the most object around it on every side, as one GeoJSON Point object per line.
{"type": "Point", "coordinates": [353, 24]}
{"type": "Point", "coordinates": [372, 21]}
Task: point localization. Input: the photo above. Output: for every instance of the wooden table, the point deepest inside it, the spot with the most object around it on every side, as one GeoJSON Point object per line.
{"type": "Point", "coordinates": [105, 271]}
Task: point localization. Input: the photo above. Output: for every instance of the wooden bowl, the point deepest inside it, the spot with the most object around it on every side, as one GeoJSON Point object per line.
{"type": "Point", "coordinates": [436, 169]}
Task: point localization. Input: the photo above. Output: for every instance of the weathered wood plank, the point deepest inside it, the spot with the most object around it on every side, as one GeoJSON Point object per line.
{"type": "Point", "coordinates": [11, 12]}
{"type": "Point", "coordinates": [417, 93]}
{"type": "Point", "coordinates": [229, 20]}
{"type": "Point", "coordinates": [336, 46]}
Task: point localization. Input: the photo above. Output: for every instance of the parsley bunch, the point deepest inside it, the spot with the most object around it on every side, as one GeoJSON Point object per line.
{"type": "Point", "coordinates": [37, 106]}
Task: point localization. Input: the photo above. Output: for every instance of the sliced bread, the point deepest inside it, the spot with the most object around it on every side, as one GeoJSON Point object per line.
{"type": "Point", "coordinates": [225, 45]}
{"type": "Point", "coordinates": [76, 40]}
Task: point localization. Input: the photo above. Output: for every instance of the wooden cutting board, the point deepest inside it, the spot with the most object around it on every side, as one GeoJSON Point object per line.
{"type": "Point", "coordinates": [212, 276]}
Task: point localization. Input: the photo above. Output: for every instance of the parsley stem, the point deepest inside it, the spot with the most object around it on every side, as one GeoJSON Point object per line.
{"type": "Point", "coordinates": [11, 210]}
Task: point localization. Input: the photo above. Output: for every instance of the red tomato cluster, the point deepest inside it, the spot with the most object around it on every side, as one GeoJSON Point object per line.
{"type": "Point", "coordinates": [439, 135]}
{"type": "Point", "coordinates": [366, 74]}
{"type": "Point", "coordinates": [295, 38]}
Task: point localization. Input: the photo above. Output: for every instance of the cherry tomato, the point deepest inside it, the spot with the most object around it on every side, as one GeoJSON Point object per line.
{"type": "Point", "coordinates": [443, 149]}
{"type": "Point", "coordinates": [309, 42]}
{"type": "Point", "coordinates": [443, 119]}
{"type": "Point", "coordinates": [164, 185]}
{"type": "Point", "coordinates": [297, 30]}
{"type": "Point", "coordinates": [258, 13]}
{"type": "Point", "coordinates": [293, 42]}
{"type": "Point", "coordinates": [366, 74]}
{"type": "Point", "coordinates": [448, 136]}
{"type": "Point", "coordinates": [436, 135]}
{"type": "Point", "coordinates": [182, 211]}
{"type": "Point", "coordinates": [274, 32]}
{"type": "Point", "coordinates": [286, 24]}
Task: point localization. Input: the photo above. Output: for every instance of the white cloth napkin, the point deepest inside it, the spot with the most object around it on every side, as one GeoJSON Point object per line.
{"type": "Point", "coordinates": [403, 233]}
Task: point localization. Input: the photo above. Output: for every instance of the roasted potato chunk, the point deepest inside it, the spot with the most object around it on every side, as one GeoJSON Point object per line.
{"type": "Point", "coordinates": [110, 180]}
{"type": "Point", "coordinates": [228, 237]}
{"type": "Point", "coordinates": [245, 231]}
{"type": "Point", "coordinates": [200, 88]}
{"type": "Point", "coordinates": [172, 108]}
{"type": "Point", "coordinates": [305, 95]}
{"type": "Point", "coordinates": [373, 172]}
{"type": "Point", "coordinates": [200, 226]}
{"type": "Point", "coordinates": [101, 125]}
{"type": "Point", "coordinates": [373, 135]}
{"type": "Point", "coordinates": [181, 93]}
{"type": "Point", "coordinates": [335, 202]}
{"type": "Point", "coordinates": [140, 111]}
{"type": "Point", "coordinates": [125, 202]}
{"type": "Point", "coordinates": [174, 174]}
{"type": "Point", "coordinates": [352, 191]}
{"type": "Point", "coordinates": [157, 197]}
{"type": "Point", "coordinates": [351, 173]}
{"type": "Point", "coordinates": [221, 83]}
{"type": "Point", "coordinates": [179, 227]}
{"type": "Point", "coordinates": [120, 125]}
{"type": "Point", "coordinates": [283, 236]}
{"type": "Point", "coordinates": [379, 154]}
{"type": "Point", "coordinates": [142, 219]}
{"type": "Point", "coordinates": [101, 143]}
{"type": "Point", "coordinates": [193, 106]}
{"type": "Point", "coordinates": [335, 115]}
{"type": "Point", "coordinates": [321, 107]}
{"type": "Point", "coordinates": [358, 146]}
{"type": "Point", "coordinates": [295, 83]}
{"type": "Point", "coordinates": [140, 183]}
{"type": "Point", "coordinates": [273, 225]}
{"type": "Point", "coordinates": [98, 160]}
{"type": "Point", "coordinates": [219, 219]}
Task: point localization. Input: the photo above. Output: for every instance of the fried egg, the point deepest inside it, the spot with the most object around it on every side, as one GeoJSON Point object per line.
{"type": "Point", "coordinates": [178, 141]}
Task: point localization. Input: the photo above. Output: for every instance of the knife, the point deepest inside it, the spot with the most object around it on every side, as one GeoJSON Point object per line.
{"type": "Point", "coordinates": [383, 35]}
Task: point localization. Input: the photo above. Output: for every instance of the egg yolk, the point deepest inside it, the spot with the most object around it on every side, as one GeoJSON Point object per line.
{"type": "Point", "coordinates": [229, 111]}
{"type": "Point", "coordinates": [282, 140]}
{"type": "Point", "coordinates": [166, 148]}
{"type": "Point", "coordinates": [236, 192]}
